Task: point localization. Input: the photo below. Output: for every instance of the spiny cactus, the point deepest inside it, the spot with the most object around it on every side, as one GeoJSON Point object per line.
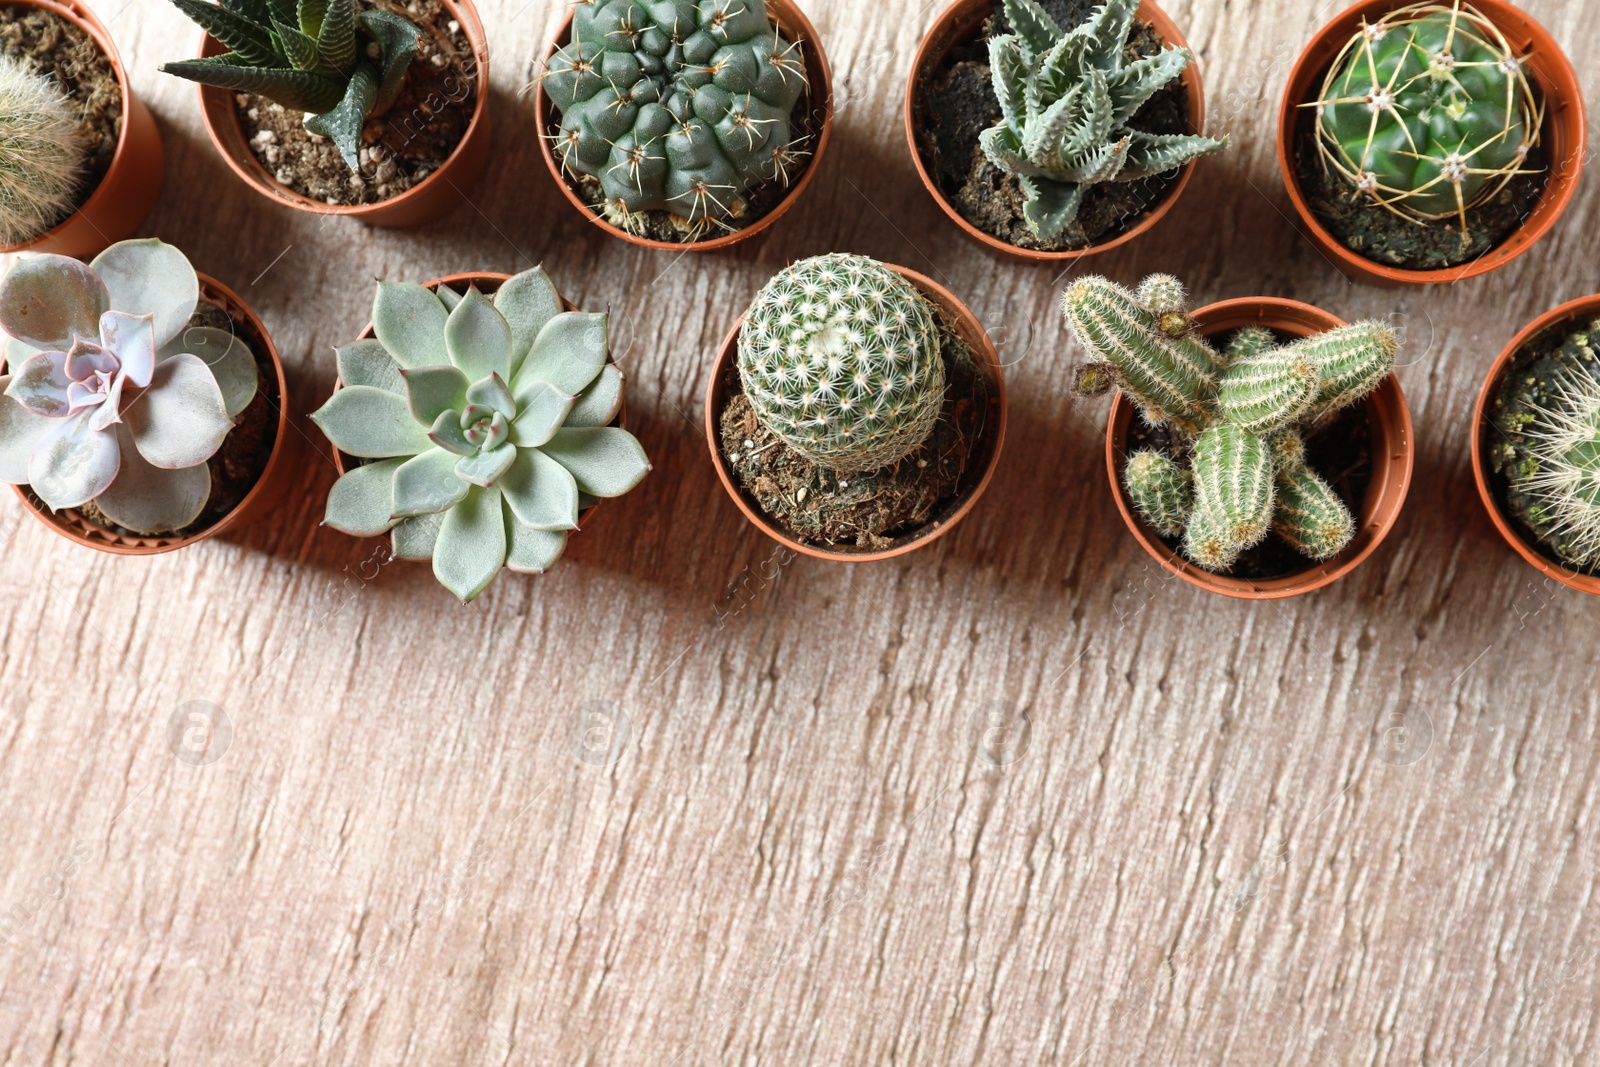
{"type": "Point", "coordinates": [1428, 112]}
{"type": "Point", "coordinates": [488, 424]}
{"type": "Point", "coordinates": [676, 105]}
{"type": "Point", "coordinates": [42, 153]}
{"type": "Point", "coordinates": [1234, 417]}
{"type": "Point", "coordinates": [1066, 98]}
{"type": "Point", "coordinates": [316, 56]}
{"type": "Point", "coordinates": [840, 357]}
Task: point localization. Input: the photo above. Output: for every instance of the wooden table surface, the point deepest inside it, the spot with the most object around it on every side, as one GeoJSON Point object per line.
{"type": "Point", "coordinates": [802, 844]}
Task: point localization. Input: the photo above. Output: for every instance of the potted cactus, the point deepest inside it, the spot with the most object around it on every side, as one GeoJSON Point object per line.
{"type": "Point", "coordinates": [80, 156]}
{"type": "Point", "coordinates": [479, 429]}
{"type": "Point", "coordinates": [142, 407]}
{"type": "Point", "coordinates": [346, 108]}
{"type": "Point", "coordinates": [1051, 130]}
{"type": "Point", "coordinates": [1430, 142]}
{"type": "Point", "coordinates": [1258, 472]}
{"type": "Point", "coordinates": [857, 410]}
{"type": "Point", "coordinates": [684, 124]}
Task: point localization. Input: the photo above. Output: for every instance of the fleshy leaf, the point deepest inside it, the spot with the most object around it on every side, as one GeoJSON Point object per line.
{"type": "Point", "coordinates": [369, 363]}
{"type": "Point", "coordinates": [299, 47]}
{"type": "Point", "coordinates": [542, 409]}
{"type": "Point", "coordinates": [569, 353]}
{"type": "Point", "coordinates": [40, 385]}
{"type": "Point", "coordinates": [13, 354]}
{"type": "Point", "coordinates": [397, 42]}
{"type": "Point", "coordinates": [432, 391]}
{"type": "Point", "coordinates": [491, 392]}
{"type": "Point", "coordinates": [19, 429]}
{"type": "Point", "coordinates": [532, 551]}
{"type": "Point", "coordinates": [487, 467]}
{"type": "Point", "coordinates": [605, 461]}
{"type": "Point", "coordinates": [370, 423]}
{"type": "Point", "coordinates": [181, 419]}
{"type": "Point", "coordinates": [447, 433]}
{"type": "Point", "coordinates": [244, 38]}
{"type": "Point", "coordinates": [72, 463]}
{"type": "Point", "coordinates": [472, 544]}
{"type": "Point", "coordinates": [427, 483]}
{"type": "Point", "coordinates": [361, 502]}
{"type": "Point", "coordinates": [132, 339]}
{"type": "Point", "coordinates": [46, 299]}
{"type": "Point", "coordinates": [478, 338]}
{"type": "Point", "coordinates": [601, 402]}
{"type": "Point", "coordinates": [230, 359]}
{"type": "Point", "coordinates": [343, 123]}
{"type": "Point", "coordinates": [409, 321]}
{"type": "Point", "coordinates": [301, 90]}
{"type": "Point", "coordinates": [413, 539]}
{"type": "Point", "coordinates": [541, 492]}
{"type": "Point", "coordinates": [1051, 206]}
{"type": "Point", "coordinates": [528, 301]}
{"type": "Point", "coordinates": [448, 297]}
{"type": "Point", "coordinates": [150, 277]}
{"type": "Point", "coordinates": [148, 499]}
{"type": "Point", "coordinates": [336, 41]}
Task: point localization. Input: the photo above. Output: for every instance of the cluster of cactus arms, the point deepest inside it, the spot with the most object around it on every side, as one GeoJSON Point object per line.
{"type": "Point", "coordinates": [1428, 112]}
{"type": "Point", "coordinates": [840, 358]}
{"type": "Point", "coordinates": [111, 396]}
{"type": "Point", "coordinates": [679, 106]}
{"type": "Point", "coordinates": [42, 152]}
{"type": "Point", "coordinates": [1066, 98]}
{"type": "Point", "coordinates": [488, 424]}
{"type": "Point", "coordinates": [1236, 417]}
{"type": "Point", "coordinates": [1548, 448]}
{"type": "Point", "coordinates": [316, 56]}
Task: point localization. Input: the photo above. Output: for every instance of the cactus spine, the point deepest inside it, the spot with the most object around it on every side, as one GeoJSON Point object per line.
{"type": "Point", "coordinates": [1161, 490]}
{"type": "Point", "coordinates": [42, 153]}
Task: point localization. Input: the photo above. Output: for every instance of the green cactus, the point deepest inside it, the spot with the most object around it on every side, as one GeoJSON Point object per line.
{"type": "Point", "coordinates": [316, 56]}
{"type": "Point", "coordinates": [840, 357]}
{"type": "Point", "coordinates": [1238, 465]}
{"type": "Point", "coordinates": [42, 153]}
{"type": "Point", "coordinates": [1427, 112]}
{"type": "Point", "coordinates": [680, 106]}
{"type": "Point", "coordinates": [1066, 98]}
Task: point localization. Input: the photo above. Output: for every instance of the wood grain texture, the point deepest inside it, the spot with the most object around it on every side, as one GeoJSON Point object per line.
{"type": "Point", "coordinates": [803, 854]}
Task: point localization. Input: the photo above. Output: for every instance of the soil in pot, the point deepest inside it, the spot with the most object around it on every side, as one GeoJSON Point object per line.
{"type": "Point", "coordinates": [958, 104]}
{"type": "Point", "coordinates": [65, 52]}
{"type": "Point", "coordinates": [875, 510]}
{"type": "Point", "coordinates": [400, 147]}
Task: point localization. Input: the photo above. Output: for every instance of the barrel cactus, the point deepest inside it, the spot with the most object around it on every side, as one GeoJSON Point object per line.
{"type": "Point", "coordinates": [679, 106]}
{"type": "Point", "coordinates": [840, 357]}
{"type": "Point", "coordinates": [487, 423]}
{"type": "Point", "coordinates": [1235, 418]}
{"type": "Point", "coordinates": [1066, 98]}
{"type": "Point", "coordinates": [1428, 112]}
{"type": "Point", "coordinates": [42, 152]}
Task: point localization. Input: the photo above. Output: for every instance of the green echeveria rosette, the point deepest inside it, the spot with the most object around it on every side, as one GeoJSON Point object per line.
{"type": "Point", "coordinates": [675, 105]}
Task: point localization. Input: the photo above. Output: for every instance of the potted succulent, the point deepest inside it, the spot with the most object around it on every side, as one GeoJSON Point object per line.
{"type": "Point", "coordinates": [1536, 444]}
{"type": "Point", "coordinates": [345, 108]}
{"type": "Point", "coordinates": [1257, 471]}
{"type": "Point", "coordinates": [143, 407]}
{"type": "Point", "coordinates": [685, 124]}
{"type": "Point", "coordinates": [857, 410]}
{"type": "Point", "coordinates": [480, 429]}
{"type": "Point", "coordinates": [80, 156]}
{"type": "Point", "coordinates": [1051, 130]}
{"type": "Point", "coordinates": [1430, 142]}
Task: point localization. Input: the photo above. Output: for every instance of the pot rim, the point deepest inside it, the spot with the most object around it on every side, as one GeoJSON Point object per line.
{"type": "Point", "coordinates": [973, 333]}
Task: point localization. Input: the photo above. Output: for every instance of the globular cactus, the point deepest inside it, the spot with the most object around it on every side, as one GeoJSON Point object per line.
{"type": "Point", "coordinates": [1066, 98]}
{"type": "Point", "coordinates": [1428, 112]}
{"type": "Point", "coordinates": [676, 105]}
{"type": "Point", "coordinates": [840, 358]}
{"type": "Point", "coordinates": [42, 153]}
{"type": "Point", "coordinates": [1234, 417]}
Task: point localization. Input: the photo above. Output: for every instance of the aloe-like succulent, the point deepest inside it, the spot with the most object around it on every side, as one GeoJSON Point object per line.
{"type": "Point", "coordinates": [316, 56]}
{"type": "Point", "coordinates": [42, 152]}
{"type": "Point", "coordinates": [111, 396]}
{"type": "Point", "coordinates": [487, 424]}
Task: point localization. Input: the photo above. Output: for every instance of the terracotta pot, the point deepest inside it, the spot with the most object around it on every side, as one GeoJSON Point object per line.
{"type": "Point", "coordinates": [423, 202]}
{"type": "Point", "coordinates": [275, 478]}
{"type": "Point", "coordinates": [796, 27]}
{"type": "Point", "coordinates": [128, 192]}
{"type": "Point", "coordinates": [1392, 460]}
{"type": "Point", "coordinates": [962, 21]}
{"type": "Point", "coordinates": [1564, 137]}
{"type": "Point", "coordinates": [1564, 317]}
{"type": "Point", "coordinates": [973, 333]}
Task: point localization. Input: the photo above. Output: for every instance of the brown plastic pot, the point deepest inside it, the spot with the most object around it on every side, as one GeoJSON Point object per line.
{"type": "Point", "coordinates": [423, 202]}
{"type": "Point", "coordinates": [973, 333]}
{"type": "Point", "coordinates": [128, 192]}
{"type": "Point", "coordinates": [796, 27]}
{"type": "Point", "coordinates": [1562, 318]}
{"type": "Point", "coordinates": [1392, 460]}
{"type": "Point", "coordinates": [962, 21]}
{"type": "Point", "coordinates": [1564, 136]}
{"type": "Point", "coordinates": [268, 490]}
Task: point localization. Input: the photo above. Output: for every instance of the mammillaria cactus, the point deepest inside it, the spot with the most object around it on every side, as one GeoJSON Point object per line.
{"type": "Point", "coordinates": [42, 153]}
{"type": "Point", "coordinates": [487, 421]}
{"type": "Point", "coordinates": [1234, 418]}
{"type": "Point", "coordinates": [112, 397]}
{"type": "Point", "coordinates": [1066, 98]}
{"type": "Point", "coordinates": [1428, 112]}
{"type": "Point", "coordinates": [840, 358]}
{"type": "Point", "coordinates": [316, 56]}
{"type": "Point", "coordinates": [676, 105]}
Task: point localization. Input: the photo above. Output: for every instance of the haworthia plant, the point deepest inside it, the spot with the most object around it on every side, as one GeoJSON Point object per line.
{"type": "Point", "coordinates": [487, 424]}
{"type": "Point", "coordinates": [42, 152]}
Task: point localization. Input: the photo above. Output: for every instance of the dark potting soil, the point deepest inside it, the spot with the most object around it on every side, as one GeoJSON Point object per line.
{"type": "Point", "coordinates": [956, 103]}
{"type": "Point", "coordinates": [400, 147]}
{"type": "Point", "coordinates": [870, 511]}
{"type": "Point", "coordinates": [58, 48]}
{"type": "Point", "coordinates": [1376, 233]}
{"type": "Point", "coordinates": [1340, 451]}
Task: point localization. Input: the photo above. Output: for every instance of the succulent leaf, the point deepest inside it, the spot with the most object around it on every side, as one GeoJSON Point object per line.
{"type": "Point", "coordinates": [72, 463]}
{"type": "Point", "coordinates": [409, 322]}
{"type": "Point", "coordinates": [414, 538]}
{"type": "Point", "coordinates": [231, 362]}
{"type": "Point", "coordinates": [491, 392]}
{"type": "Point", "coordinates": [40, 384]}
{"type": "Point", "coordinates": [361, 502]}
{"type": "Point", "coordinates": [1033, 24]}
{"type": "Point", "coordinates": [478, 338]}
{"type": "Point", "coordinates": [149, 499]}
{"type": "Point", "coordinates": [19, 429]}
{"type": "Point", "coordinates": [427, 483]}
{"type": "Point", "coordinates": [301, 49]}
{"type": "Point", "coordinates": [528, 301]}
{"type": "Point", "coordinates": [542, 409]}
{"type": "Point", "coordinates": [369, 363]}
{"type": "Point", "coordinates": [397, 43]}
{"type": "Point", "coordinates": [131, 341]}
{"type": "Point", "coordinates": [370, 423]}
{"type": "Point", "coordinates": [541, 492]}
{"type": "Point", "coordinates": [432, 392]}
{"type": "Point", "coordinates": [181, 419]}
{"type": "Point", "coordinates": [1051, 206]}
{"type": "Point", "coordinates": [343, 122]}
{"type": "Point", "coordinates": [248, 40]}
{"type": "Point", "coordinates": [605, 461]}
{"type": "Point", "coordinates": [488, 466]}
{"type": "Point", "coordinates": [299, 90]}
{"type": "Point", "coordinates": [532, 551]}
{"type": "Point", "coordinates": [149, 277]}
{"type": "Point", "coordinates": [336, 40]}
{"type": "Point", "coordinates": [47, 300]}
{"type": "Point", "coordinates": [599, 404]}
{"type": "Point", "coordinates": [472, 544]}
{"type": "Point", "coordinates": [568, 353]}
